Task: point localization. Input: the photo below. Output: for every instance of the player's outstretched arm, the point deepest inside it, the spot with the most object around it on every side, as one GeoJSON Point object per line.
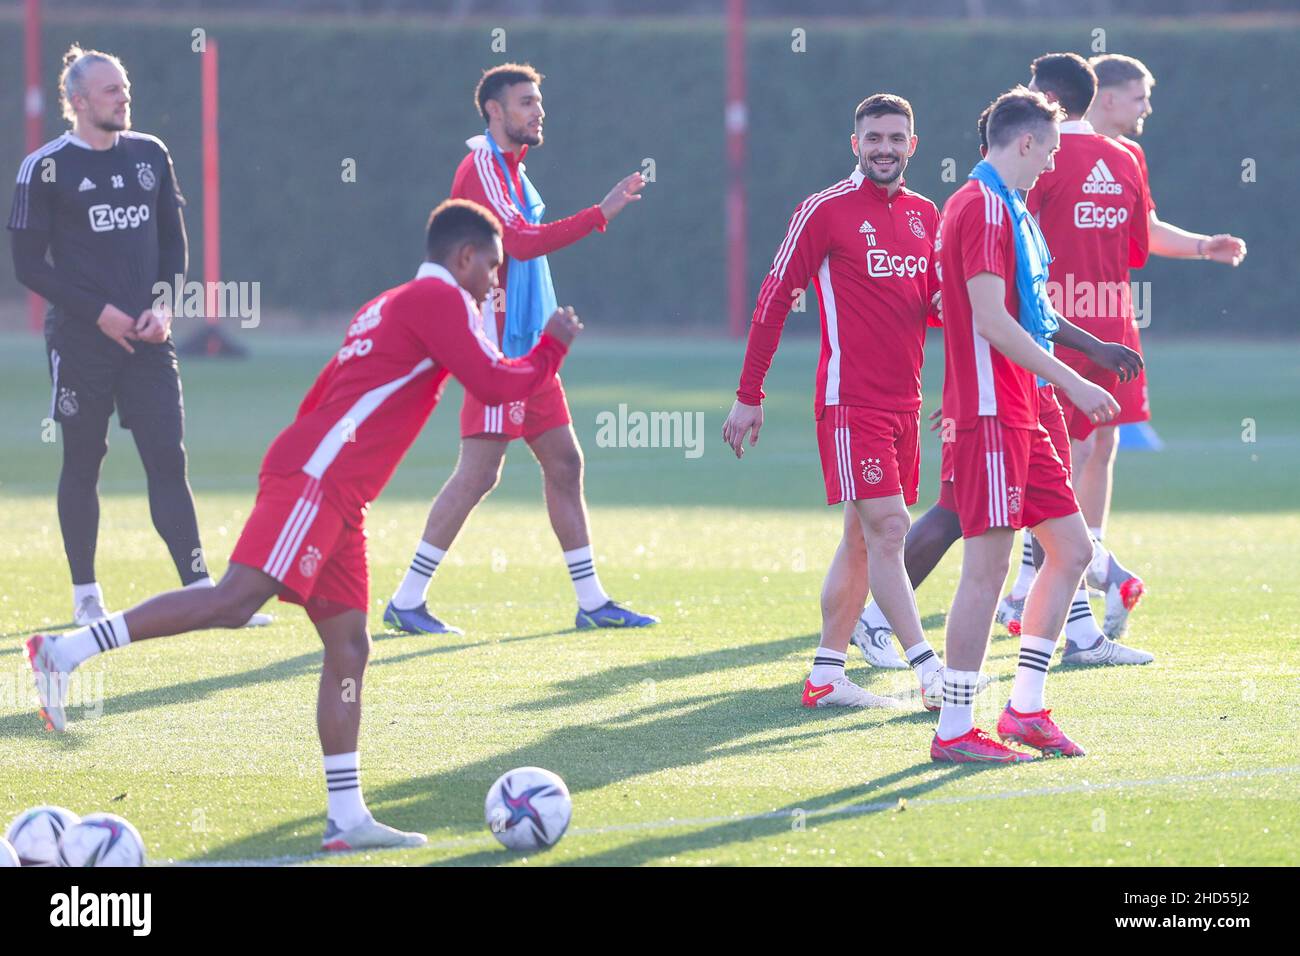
{"type": "Point", "coordinates": [625, 192]}
{"type": "Point", "coordinates": [999, 329]}
{"type": "Point", "coordinates": [1120, 359]}
{"type": "Point", "coordinates": [525, 240]}
{"type": "Point", "coordinates": [459, 346]}
{"type": "Point", "coordinates": [1174, 243]}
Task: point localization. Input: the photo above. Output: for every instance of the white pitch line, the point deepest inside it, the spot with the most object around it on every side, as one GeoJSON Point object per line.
{"type": "Point", "coordinates": [856, 809]}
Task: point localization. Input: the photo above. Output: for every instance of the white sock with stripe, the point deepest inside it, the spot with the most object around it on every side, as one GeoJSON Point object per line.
{"type": "Point", "coordinates": [957, 716]}
{"type": "Point", "coordinates": [923, 660]}
{"type": "Point", "coordinates": [828, 665]}
{"type": "Point", "coordinates": [81, 645]}
{"type": "Point", "coordinates": [873, 616]}
{"type": "Point", "coordinates": [1027, 573]}
{"type": "Point", "coordinates": [82, 591]}
{"type": "Point", "coordinates": [1081, 628]}
{"type": "Point", "coordinates": [415, 586]}
{"type": "Point", "coordinates": [343, 790]}
{"type": "Point", "coordinates": [1031, 674]}
{"type": "Point", "coordinates": [586, 583]}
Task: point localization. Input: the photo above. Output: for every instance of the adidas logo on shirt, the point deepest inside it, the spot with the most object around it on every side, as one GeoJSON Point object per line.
{"type": "Point", "coordinates": [1100, 180]}
{"type": "Point", "coordinates": [868, 230]}
{"type": "Point", "coordinates": [86, 184]}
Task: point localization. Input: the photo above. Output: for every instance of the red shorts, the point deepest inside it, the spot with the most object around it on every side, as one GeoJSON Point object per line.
{"type": "Point", "coordinates": [306, 544]}
{"type": "Point", "coordinates": [1134, 405]}
{"type": "Point", "coordinates": [869, 453]}
{"type": "Point", "coordinates": [1008, 478]}
{"type": "Point", "coordinates": [545, 409]}
{"type": "Point", "coordinates": [1050, 417]}
{"type": "Point", "coordinates": [946, 497]}
{"type": "Point", "coordinates": [1131, 395]}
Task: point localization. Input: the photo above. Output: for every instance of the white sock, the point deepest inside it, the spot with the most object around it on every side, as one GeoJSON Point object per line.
{"type": "Point", "coordinates": [1081, 628]}
{"type": "Point", "coordinates": [923, 660]}
{"type": "Point", "coordinates": [1025, 576]}
{"type": "Point", "coordinates": [203, 582]}
{"type": "Point", "coordinates": [873, 616]}
{"type": "Point", "coordinates": [586, 583]}
{"type": "Point", "coordinates": [1095, 532]}
{"type": "Point", "coordinates": [343, 786]}
{"type": "Point", "coordinates": [415, 586]}
{"type": "Point", "coordinates": [81, 645]}
{"type": "Point", "coordinates": [957, 716]}
{"type": "Point", "coordinates": [828, 666]}
{"type": "Point", "coordinates": [1031, 674]}
{"type": "Point", "coordinates": [1100, 566]}
{"type": "Point", "coordinates": [82, 591]}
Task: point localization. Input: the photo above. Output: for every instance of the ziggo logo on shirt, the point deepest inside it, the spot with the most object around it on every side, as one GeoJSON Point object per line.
{"type": "Point", "coordinates": [881, 264]}
{"type": "Point", "coordinates": [1090, 215]}
{"type": "Point", "coordinates": [106, 218]}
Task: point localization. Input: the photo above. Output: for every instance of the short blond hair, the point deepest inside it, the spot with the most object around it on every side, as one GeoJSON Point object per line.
{"type": "Point", "coordinates": [1116, 69]}
{"type": "Point", "coordinates": [72, 81]}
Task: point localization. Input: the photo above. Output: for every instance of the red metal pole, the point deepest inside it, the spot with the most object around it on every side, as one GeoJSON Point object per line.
{"type": "Point", "coordinates": [211, 181]}
{"type": "Point", "coordinates": [737, 120]}
{"type": "Point", "coordinates": [35, 109]}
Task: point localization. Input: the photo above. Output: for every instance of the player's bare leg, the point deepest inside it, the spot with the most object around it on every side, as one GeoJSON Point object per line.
{"type": "Point", "coordinates": [230, 604]}
{"type": "Point", "coordinates": [477, 472]}
{"type": "Point", "coordinates": [349, 825]}
{"type": "Point", "coordinates": [1094, 481]}
{"type": "Point", "coordinates": [1067, 549]}
{"type": "Point", "coordinates": [928, 540]}
{"type": "Point", "coordinates": [560, 456]}
{"type": "Point", "coordinates": [1093, 473]}
{"type": "Point", "coordinates": [843, 593]}
{"type": "Point", "coordinates": [984, 566]}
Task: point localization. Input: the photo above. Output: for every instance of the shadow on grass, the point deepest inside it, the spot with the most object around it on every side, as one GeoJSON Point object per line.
{"type": "Point", "coordinates": [645, 739]}
{"type": "Point", "coordinates": [871, 797]}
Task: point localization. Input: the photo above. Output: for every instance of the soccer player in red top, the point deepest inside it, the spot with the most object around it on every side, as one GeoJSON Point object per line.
{"type": "Point", "coordinates": [939, 528]}
{"type": "Point", "coordinates": [510, 99]}
{"type": "Point", "coordinates": [868, 244]}
{"type": "Point", "coordinates": [1119, 111]}
{"type": "Point", "coordinates": [1091, 208]}
{"type": "Point", "coordinates": [305, 539]}
{"type": "Point", "coordinates": [1006, 473]}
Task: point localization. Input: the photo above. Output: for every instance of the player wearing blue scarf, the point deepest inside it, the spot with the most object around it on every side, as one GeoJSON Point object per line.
{"type": "Point", "coordinates": [1006, 474]}
{"type": "Point", "coordinates": [509, 99]}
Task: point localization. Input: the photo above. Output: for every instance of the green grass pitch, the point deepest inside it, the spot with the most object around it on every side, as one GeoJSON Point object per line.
{"type": "Point", "coordinates": [683, 744]}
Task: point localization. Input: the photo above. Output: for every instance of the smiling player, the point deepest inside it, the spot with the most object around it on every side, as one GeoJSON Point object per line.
{"type": "Point", "coordinates": [868, 245]}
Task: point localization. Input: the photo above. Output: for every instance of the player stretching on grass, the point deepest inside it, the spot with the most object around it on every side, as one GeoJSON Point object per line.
{"type": "Point", "coordinates": [305, 539]}
{"type": "Point", "coordinates": [939, 528]}
{"type": "Point", "coordinates": [510, 100]}
{"type": "Point", "coordinates": [1122, 104]}
{"type": "Point", "coordinates": [1006, 473]}
{"type": "Point", "coordinates": [868, 245]}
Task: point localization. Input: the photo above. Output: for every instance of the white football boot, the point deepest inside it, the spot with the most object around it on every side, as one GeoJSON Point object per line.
{"type": "Point", "coordinates": [368, 835]}
{"type": "Point", "coordinates": [1104, 652]}
{"type": "Point", "coordinates": [932, 691]}
{"type": "Point", "coordinates": [51, 680]}
{"type": "Point", "coordinates": [877, 646]}
{"type": "Point", "coordinates": [842, 692]}
{"type": "Point", "coordinates": [88, 610]}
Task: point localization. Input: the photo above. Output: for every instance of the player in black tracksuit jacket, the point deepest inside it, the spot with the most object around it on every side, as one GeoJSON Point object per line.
{"type": "Point", "coordinates": [96, 223]}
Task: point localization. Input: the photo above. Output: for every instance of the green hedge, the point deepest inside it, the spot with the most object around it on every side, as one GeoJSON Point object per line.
{"type": "Point", "coordinates": [298, 97]}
